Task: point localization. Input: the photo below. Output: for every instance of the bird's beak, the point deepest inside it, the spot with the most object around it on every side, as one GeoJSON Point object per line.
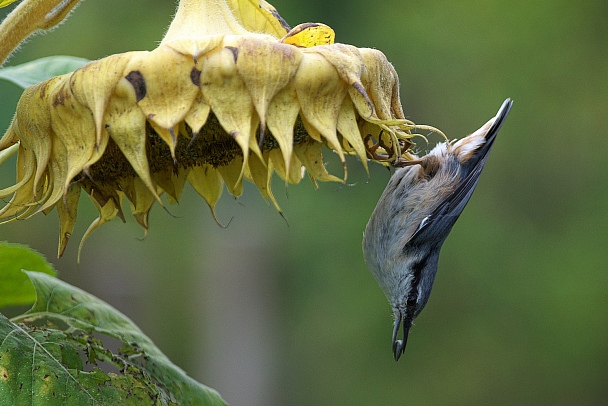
{"type": "Point", "coordinates": [399, 345]}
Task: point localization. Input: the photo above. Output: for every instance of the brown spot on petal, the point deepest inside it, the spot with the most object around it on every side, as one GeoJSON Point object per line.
{"type": "Point", "coordinates": [139, 84]}
{"type": "Point", "coordinates": [235, 52]}
{"type": "Point", "coordinates": [195, 77]}
{"type": "Point", "coordinates": [60, 97]}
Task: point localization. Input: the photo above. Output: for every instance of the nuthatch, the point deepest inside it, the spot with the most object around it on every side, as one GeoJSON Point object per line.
{"type": "Point", "coordinates": [414, 216]}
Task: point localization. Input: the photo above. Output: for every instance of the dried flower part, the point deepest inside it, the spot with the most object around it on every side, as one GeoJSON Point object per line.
{"type": "Point", "coordinates": [231, 93]}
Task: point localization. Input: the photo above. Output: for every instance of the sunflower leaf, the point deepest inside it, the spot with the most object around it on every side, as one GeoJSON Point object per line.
{"type": "Point", "coordinates": [15, 286]}
{"type": "Point", "coordinates": [63, 351]}
{"type": "Point", "coordinates": [30, 73]}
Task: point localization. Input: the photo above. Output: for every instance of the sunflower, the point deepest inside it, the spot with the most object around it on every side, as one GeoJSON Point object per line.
{"type": "Point", "coordinates": [231, 93]}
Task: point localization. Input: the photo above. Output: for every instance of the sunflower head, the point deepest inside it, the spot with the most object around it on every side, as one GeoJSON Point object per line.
{"type": "Point", "coordinates": [231, 93]}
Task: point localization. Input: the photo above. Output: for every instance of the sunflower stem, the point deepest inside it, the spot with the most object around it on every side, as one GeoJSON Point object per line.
{"type": "Point", "coordinates": [200, 18]}
{"type": "Point", "coordinates": [29, 17]}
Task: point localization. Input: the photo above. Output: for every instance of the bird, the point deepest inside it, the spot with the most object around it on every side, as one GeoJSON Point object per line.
{"type": "Point", "coordinates": [414, 215]}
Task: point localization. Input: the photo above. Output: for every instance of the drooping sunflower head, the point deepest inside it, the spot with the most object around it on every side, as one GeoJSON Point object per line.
{"type": "Point", "coordinates": [231, 93]}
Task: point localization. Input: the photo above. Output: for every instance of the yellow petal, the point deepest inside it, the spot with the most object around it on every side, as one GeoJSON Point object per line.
{"type": "Point", "coordinates": [106, 213]}
{"type": "Point", "coordinates": [228, 97]}
{"type": "Point", "coordinates": [282, 114]}
{"type": "Point", "coordinates": [198, 114]}
{"type": "Point", "coordinates": [347, 126]}
{"type": "Point", "coordinates": [208, 184]}
{"type": "Point", "coordinates": [58, 173]}
{"type": "Point", "coordinates": [171, 183]}
{"type": "Point", "coordinates": [73, 126]}
{"type": "Point", "coordinates": [265, 68]}
{"type": "Point", "coordinates": [23, 202]}
{"type": "Point", "coordinates": [311, 155]}
{"type": "Point", "coordinates": [141, 200]}
{"type": "Point", "coordinates": [128, 130]}
{"type": "Point", "coordinates": [27, 166]}
{"type": "Point", "coordinates": [94, 83]}
{"type": "Point", "coordinates": [232, 174]}
{"type": "Point", "coordinates": [309, 35]}
{"type": "Point", "coordinates": [261, 175]}
{"type": "Point", "coordinates": [98, 151]}
{"type": "Point", "coordinates": [169, 136]}
{"type": "Point", "coordinates": [382, 84]}
{"type": "Point", "coordinates": [292, 173]}
{"type": "Point", "coordinates": [33, 124]}
{"type": "Point", "coordinates": [347, 61]}
{"type": "Point", "coordinates": [67, 210]}
{"type": "Point", "coordinates": [320, 93]}
{"type": "Point", "coordinates": [166, 86]}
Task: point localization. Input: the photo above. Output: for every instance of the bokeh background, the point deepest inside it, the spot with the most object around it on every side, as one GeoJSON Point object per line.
{"type": "Point", "coordinates": [274, 312]}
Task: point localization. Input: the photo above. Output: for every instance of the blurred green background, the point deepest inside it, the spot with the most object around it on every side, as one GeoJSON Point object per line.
{"type": "Point", "coordinates": [271, 313]}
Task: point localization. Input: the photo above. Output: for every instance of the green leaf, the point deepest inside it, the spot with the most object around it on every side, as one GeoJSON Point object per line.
{"type": "Point", "coordinates": [42, 353]}
{"type": "Point", "coordinates": [15, 286]}
{"type": "Point", "coordinates": [35, 370]}
{"type": "Point", "coordinates": [30, 73]}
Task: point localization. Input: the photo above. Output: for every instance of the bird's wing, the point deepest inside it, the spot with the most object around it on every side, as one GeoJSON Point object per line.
{"type": "Point", "coordinates": [438, 224]}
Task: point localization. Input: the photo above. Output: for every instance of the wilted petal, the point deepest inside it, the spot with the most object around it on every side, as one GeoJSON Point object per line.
{"type": "Point", "coordinates": [33, 123]}
{"type": "Point", "coordinates": [25, 176]}
{"type": "Point", "coordinates": [265, 68]}
{"type": "Point", "coordinates": [349, 65]}
{"type": "Point", "coordinates": [74, 127]}
{"type": "Point", "coordinates": [165, 99]}
{"type": "Point", "coordinates": [282, 114]}
{"type": "Point", "coordinates": [198, 114]}
{"type": "Point", "coordinates": [232, 174]}
{"type": "Point", "coordinates": [140, 198]}
{"type": "Point", "coordinates": [171, 183]}
{"type": "Point", "coordinates": [23, 202]}
{"type": "Point", "coordinates": [106, 213]}
{"type": "Point", "coordinates": [67, 211]}
{"type": "Point", "coordinates": [320, 93]}
{"type": "Point", "coordinates": [311, 155]}
{"type": "Point", "coordinates": [58, 172]}
{"type": "Point", "coordinates": [128, 130]}
{"type": "Point", "coordinates": [293, 173]}
{"type": "Point", "coordinates": [208, 184]}
{"type": "Point", "coordinates": [261, 175]}
{"type": "Point", "coordinates": [382, 84]}
{"type": "Point", "coordinates": [94, 93]}
{"type": "Point", "coordinates": [348, 128]}
{"type": "Point", "coordinates": [228, 97]}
